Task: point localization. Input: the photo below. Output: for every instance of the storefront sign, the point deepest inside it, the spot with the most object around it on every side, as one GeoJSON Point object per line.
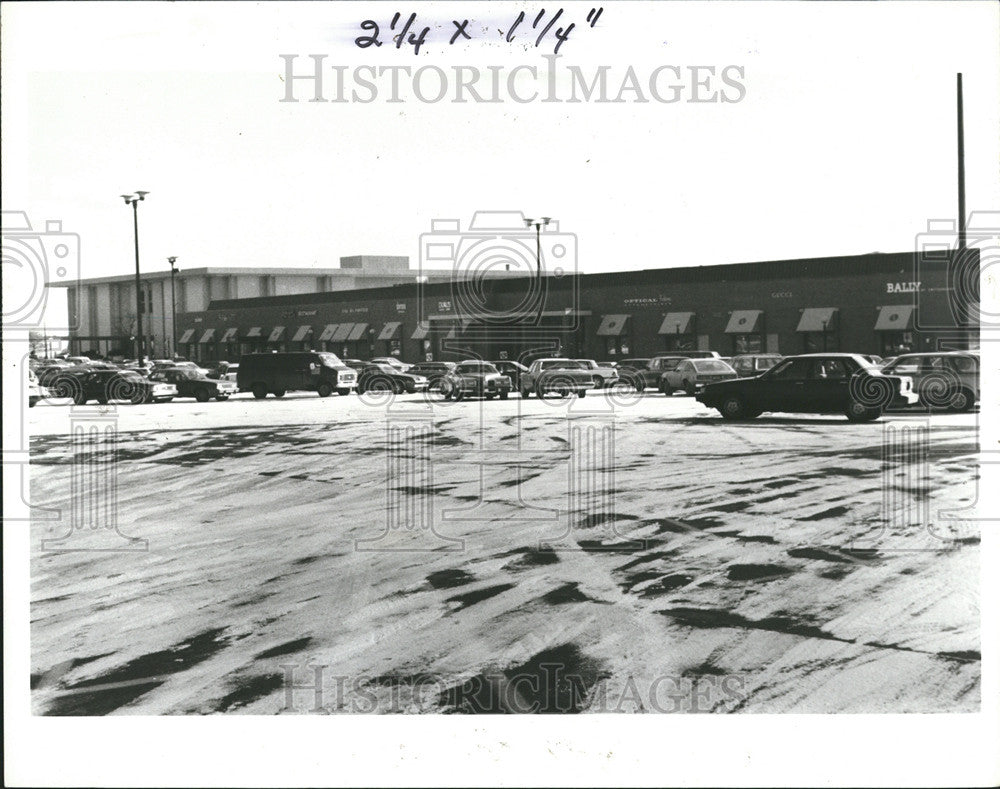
{"type": "Point", "coordinates": [782, 294]}
{"type": "Point", "coordinates": [639, 302]}
{"type": "Point", "coordinates": [400, 307]}
{"type": "Point", "coordinates": [902, 287]}
{"type": "Point", "coordinates": [352, 310]}
{"type": "Point", "coordinates": [444, 306]}
{"type": "Point", "coordinates": [304, 313]}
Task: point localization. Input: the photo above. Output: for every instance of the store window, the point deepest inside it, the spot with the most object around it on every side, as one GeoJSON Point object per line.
{"type": "Point", "coordinates": [893, 343]}
{"type": "Point", "coordinates": [680, 342]}
{"type": "Point", "coordinates": [619, 345]}
{"type": "Point", "coordinates": [820, 341]}
{"type": "Point", "coordinates": [748, 343]}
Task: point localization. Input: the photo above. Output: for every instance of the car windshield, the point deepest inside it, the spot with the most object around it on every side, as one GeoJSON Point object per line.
{"type": "Point", "coordinates": [710, 366]}
{"type": "Point", "coordinates": [767, 362]}
{"type": "Point", "coordinates": [387, 368]}
{"type": "Point", "coordinates": [130, 376]}
{"type": "Point", "coordinates": [562, 364]}
{"type": "Point", "coordinates": [588, 364]}
{"type": "Point", "coordinates": [328, 359]}
{"type": "Point", "coordinates": [903, 366]}
{"type": "Point", "coordinates": [190, 375]}
{"type": "Point", "coordinates": [865, 364]}
{"type": "Point", "coordinates": [476, 367]}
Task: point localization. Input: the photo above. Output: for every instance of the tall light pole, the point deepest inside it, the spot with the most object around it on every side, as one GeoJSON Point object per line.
{"type": "Point", "coordinates": [538, 225]}
{"type": "Point", "coordinates": [173, 306]}
{"type": "Point", "coordinates": [133, 200]}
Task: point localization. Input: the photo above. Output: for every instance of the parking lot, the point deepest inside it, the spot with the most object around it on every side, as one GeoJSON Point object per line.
{"type": "Point", "coordinates": [419, 552]}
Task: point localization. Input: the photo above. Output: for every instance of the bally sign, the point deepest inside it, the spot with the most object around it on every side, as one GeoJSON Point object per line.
{"type": "Point", "coordinates": [902, 287]}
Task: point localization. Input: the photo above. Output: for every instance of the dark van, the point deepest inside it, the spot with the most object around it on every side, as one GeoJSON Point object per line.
{"type": "Point", "coordinates": [308, 371]}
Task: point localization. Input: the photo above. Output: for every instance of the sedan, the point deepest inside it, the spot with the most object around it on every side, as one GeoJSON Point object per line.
{"type": "Point", "coordinates": [513, 370]}
{"type": "Point", "coordinates": [691, 375]}
{"type": "Point", "coordinates": [475, 379]}
{"type": "Point", "coordinates": [556, 375]}
{"type": "Point", "coordinates": [812, 383]}
{"type": "Point", "coordinates": [604, 375]}
{"type": "Point", "coordinates": [84, 384]}
{"type": "Point", "coordinates": [432, 371]}
{"type": "Point", "coordinates": [386, 378]}
{"type": "Point", "coordinates": [191, 383]}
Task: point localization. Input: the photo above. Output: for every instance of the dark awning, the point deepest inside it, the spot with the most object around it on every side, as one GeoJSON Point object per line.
{"type": "Point", "coordinates": [328, 332]}
{"type": "Point", "coordinates": [341, 332]}
{"type": "Point", "coordinates": [422, 330]}
{"type": "Point", "coordinates": [301, 333]}
{"type": "Point", "coordinates": [207, 336]}
{"type": "Point", "coordinates": [677, 323]}
{"type": "Point", "coordinates": [357, 332]}
{"type": "Point", "coordinates": [818, 319]}
{"type": "Point", "coordinates": [744, 322]}
{"type": "Point", "coordinates": [895, 318]}
{"type": "Point", "coordinates": [230, 335]}
{"type": "Point", "coordinates": [186, 336]}
{"type": "Point", "coordinates": [276, 334]}
{"type": "Point", "coordinates": [390, 330]}
{"type": "Point", "coordinates": [254, 332]}
{"type": "Point", "coordinates": [612, 325]}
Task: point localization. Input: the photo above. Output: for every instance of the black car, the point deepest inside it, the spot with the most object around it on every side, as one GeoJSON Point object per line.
{"type": "Point", "coordinates": [84, 384]}
{"type": "Point", "coordinates": [432, 371]}
{"type": "Point", "coordinates": [512, 370]}
{"type": "Point", "coordinates": [191, 383]}
{"type": "Point", "coordinates": [812, 383]}
{"type": "Point", "coordinates": [386, 378]}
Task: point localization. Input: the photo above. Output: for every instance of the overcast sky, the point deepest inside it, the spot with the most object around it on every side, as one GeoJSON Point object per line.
{"type": "Point", "coordinates": [844, 142]}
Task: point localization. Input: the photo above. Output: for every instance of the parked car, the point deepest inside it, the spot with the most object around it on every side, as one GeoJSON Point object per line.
{"type": "Point", "coordinates": [36, 391]}
{"type": "Point", "coordinates": [190, 383]}
{"type": "Point", "coordinates": [83, 384]}
{"type": "Point", "coordinates": [308, 371]}
{"type": "Point", "coordinates": [191, 366]}
{"type": "Point", "coordinates": [218, 370]}
{"type": "Point", "coordinates": [811, 383]}
{"type": "Point", "coordinates": [474, 378]}
{"type": "Point", "coordinates": [748, 365]}
{"type": "Point", "coordinates": [876, 360]}
{"type": "Point", "coordinates": [556, 375]}
{"type": "Point", "coordinates": [432, 371]}
{"type": "Point", "coordinates": [78, 360]}
{"type": "Point", "coordinates": [941, 380]}
{"type": "Point", "coordinates": [644, 373]}
{"type": "Point", "coordinates": [387, 378]}
{"type": "Point", "coordinates": [604, 375]}
{"type": "Point", "coordinates": [355, 364]}
{"type": "Point", "coordinates": [231, 372]}
{"type": "Point", "coordinates": [691, 375]}
{"type": "Point", "coordinates": [392, 361]}
{"type": "Point", "coordinates": [513, 370]}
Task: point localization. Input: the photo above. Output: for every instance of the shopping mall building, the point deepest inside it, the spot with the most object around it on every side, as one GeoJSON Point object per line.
{"type": "Point", "coordinates": [874, 303]}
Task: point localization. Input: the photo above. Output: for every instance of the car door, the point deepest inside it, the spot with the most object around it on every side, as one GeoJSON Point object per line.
{"type": "Point", "coordinates": [827, 387]}
{"type": "Point", "coordinates": [784, 387]}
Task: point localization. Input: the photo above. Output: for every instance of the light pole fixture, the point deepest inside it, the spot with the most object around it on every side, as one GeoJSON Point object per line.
{"type": "Point", "coordinates": [173, 305]}
{"type": "Point", "coordinates": [538, 224]}
{"type": "Point", "coordinates": [133, 200]}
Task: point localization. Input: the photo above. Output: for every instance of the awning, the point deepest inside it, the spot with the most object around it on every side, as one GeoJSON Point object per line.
{"type": "Point", "coordinates": [818, 319]}
{"type": "Point", "coordinates": [356, 333]}
{"type": "Point", "coordinates": [341, 332]}
{"type": "Point", "coordinates": [677, 323]}
{"type": "Point", "coordinates": [390, 330]}
{"type": "Point", "coordinates": [276, 334]}
{"type": "Point", "coordinates": [301, 333]}
{"type": "Point", "coordinates": [253, 333]}
{"type": "Point", "coordinates": [612, 325]}
{"type": "Point", "coordinates": [207, 336]}
{"type": "Point", "coordinates": [327, 334]}
{"type": "Point", "coordinates": [895, 318]}
{"type": "Point", "coordinates": [422, 330]}
{"type": "Point", "coordinates": [230, 335]}
{"type": "Point", "coordinates": [744, 322]}
{"type": "Point", "coordinates": [186, 336]}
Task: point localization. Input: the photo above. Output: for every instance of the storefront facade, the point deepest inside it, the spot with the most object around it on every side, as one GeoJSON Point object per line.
{"type": "Point", "coordinates": [880, 303]}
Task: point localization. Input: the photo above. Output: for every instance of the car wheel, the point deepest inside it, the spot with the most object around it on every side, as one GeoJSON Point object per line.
{"type": "Point", "coordinates": [525, 392]}
{"type": "Point", "coordinates": [259, 391]}
{"type": "Point", "coordinates": [733, 407]}
{"type": "Point", "coordinates": [279, 393]}
{"type": "Point", "coordinates": [343, 392]}
{"type": "Point", "coordinates": [598, 382]}
{"type": "Point", "coordinates": [202, 395]}
{"type": "Point", "coordinates": [689, 388]}
{"type": "Point", "coordinates": [490, 396]}
{"type": "Point", "coordinates": [582, 393]}
{"type": "Point", "coordinates": [962, 401]}
{"type": "Point", "coordinates": [222, 398]}
{"type": "Point", "coordinates": [859, 412]}
{"type": "Point", "coordinates": [32, 402]}
{"type": "Point", "coordinates": [324, 389]}
{"type": "Point", "coordinates": [397, 388]}
{"type": "Point", "coordinates": [503, 395]}
{"type": "Point", "coordinates": [102, 400]}
{"type": "Point", "coordinates": [459, 394]}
